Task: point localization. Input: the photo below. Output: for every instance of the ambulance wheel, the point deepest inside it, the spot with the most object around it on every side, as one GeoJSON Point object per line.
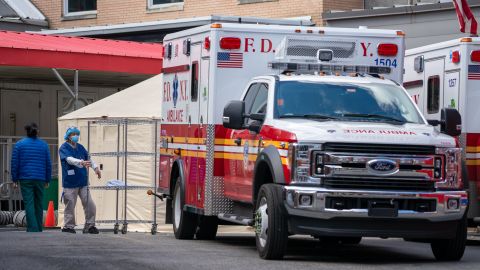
{"type": "Point", "coordinates": [207, 228]}
{"type": "Point", "coordinates": [271, 230]}
{"type": "Point", "coordinates": [451, 249]}
{"type": "Point", "coordinates": [184, 223]}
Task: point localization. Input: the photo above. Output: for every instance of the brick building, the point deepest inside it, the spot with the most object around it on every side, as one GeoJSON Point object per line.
{"type": "Point", "coordinates": [81, 13]}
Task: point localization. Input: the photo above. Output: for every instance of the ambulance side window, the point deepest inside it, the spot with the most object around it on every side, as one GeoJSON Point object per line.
{"type": "Point", "coordinates": [194, 82]}
{"type": "Point", "coordinates": [260, 103]}
{"type": "Point", "coordinates": [433, 94]}
{"type": "Point", "coordinates": [251, 93]}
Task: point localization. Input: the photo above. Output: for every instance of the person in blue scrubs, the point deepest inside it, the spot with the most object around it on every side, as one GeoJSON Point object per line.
{"type": "Point", "coordinates": [75, 162]}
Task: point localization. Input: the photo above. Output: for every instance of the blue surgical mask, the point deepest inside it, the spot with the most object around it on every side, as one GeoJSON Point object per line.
{"type": "Point", "coordinates": [75, 138]}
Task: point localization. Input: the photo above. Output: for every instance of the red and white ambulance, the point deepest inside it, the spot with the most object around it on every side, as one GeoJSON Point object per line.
{"type": "Point", "coordinates": [304, 130]}
{"type": "Point", "coordinates": [447, 74]}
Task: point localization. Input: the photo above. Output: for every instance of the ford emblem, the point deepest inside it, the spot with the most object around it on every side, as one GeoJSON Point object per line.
{"type": "Point", "coordinates": [382, 166]}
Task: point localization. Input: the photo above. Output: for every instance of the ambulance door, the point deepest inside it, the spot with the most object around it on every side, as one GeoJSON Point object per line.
{"type": "Point", "coordinates": [250, 144]}
{"type": "Point", "coordinates": [237, 164]}
{"type": "Point", "coordinates": [433, 87]}
{"type": "Point", "coordinates": [194, 133]}
{"type": "Point", "coordinates": [201, 78]}
{"type": "Point", "coordinates": [451, 96]}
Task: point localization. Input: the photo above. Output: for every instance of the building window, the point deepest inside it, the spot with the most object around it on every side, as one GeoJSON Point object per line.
{"type": "Point", "coordinates": [433, 94]}
{"type": "Point", "coordinates": [79, 7]}
{"type": "Point", "coordinates": [164, 4]}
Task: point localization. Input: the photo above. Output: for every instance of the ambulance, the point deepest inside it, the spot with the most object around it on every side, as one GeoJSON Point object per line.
{"type": "Point", "coordinates": [308, 131]}
{"type": "Point", "coordinates": [447, 75]}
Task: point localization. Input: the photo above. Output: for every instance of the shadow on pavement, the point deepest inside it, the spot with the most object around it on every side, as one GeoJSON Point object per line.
{"type": "Point", "coordinates": [312, 250]}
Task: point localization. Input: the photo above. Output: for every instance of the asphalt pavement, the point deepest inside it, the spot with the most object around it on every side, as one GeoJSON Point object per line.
{"type": "Point", "coordinates": [231, 250]}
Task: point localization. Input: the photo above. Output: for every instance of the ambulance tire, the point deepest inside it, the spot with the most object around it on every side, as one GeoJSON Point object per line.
{"type": "Point", "coordinates": [207, 228]}
{"type": "Point", "coordinates": [271, 229]}
{"type": "Point", "coordinates": [184, 223]}
{"type": "Point", "coordinates": [451, 249]}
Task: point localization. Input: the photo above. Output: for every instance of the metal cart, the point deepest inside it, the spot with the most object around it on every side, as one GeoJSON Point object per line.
{"type": "Point", "coordinates": [123, 153]}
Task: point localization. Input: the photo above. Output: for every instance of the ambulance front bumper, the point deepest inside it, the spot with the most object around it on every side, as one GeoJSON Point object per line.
{"type": "Point", "coordinates": [320, 211]}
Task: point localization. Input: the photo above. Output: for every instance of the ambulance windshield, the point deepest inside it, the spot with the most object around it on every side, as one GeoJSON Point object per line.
{"type": "Point", "coordinates": [372, 102]}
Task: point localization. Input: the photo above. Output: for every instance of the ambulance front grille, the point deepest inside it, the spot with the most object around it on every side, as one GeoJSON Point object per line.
{"type": "Point", "coordinates": [309, 48]}
{"type": "Point", "coordinates": [378, 184]}
{"type": "Point", "coordinates": [384, 149]}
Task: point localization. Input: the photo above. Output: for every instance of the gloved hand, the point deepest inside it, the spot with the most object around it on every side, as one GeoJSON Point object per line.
{"type": "Point", "coordinates": [86, 163]}
{"type": "Point", "coordinates": [98, 172]}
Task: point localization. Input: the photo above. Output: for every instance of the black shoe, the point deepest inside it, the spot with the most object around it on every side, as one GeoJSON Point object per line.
{"type": "Point", "coordinates": [92, 230]}
{"type": "Point", "coordinates": [68, 230]}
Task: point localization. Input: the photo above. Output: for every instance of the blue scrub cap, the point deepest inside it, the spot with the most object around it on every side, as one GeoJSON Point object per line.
{"type": "Point", "coordinates": [71, 130]}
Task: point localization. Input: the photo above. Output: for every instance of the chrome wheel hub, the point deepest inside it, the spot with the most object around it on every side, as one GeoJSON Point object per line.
{"type": "Point", "coordinates": [261, 222]}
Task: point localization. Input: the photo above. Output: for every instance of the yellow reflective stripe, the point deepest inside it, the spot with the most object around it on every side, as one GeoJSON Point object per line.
{"type": "Point", "coordinates": [473, 149]}
{"type": "Point", "coordinates": [225, 142]}
{"type": "Point", "coordinates": [221, 155]}
{"type": "Point", "coordinates": [277, 144]}
{"type": "Point", "coordinates": [473, 162]}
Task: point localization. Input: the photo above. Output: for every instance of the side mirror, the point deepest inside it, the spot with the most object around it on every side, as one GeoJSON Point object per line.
{"type": "Point", "coordinates": [450, 122]}
{"type": "Point", "coordinates": [255, 126]}
{"type": "Point", "coordinates": [234, 114]}
{"type": "Point", "coordinates": [257, 116]}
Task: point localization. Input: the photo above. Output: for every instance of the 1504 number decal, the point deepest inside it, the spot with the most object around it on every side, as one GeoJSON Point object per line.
{"type": "Point", "coordinates": [386, 62]}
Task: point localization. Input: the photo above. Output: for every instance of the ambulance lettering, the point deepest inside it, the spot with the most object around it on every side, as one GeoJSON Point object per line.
{"type": "Point", "coordinates": [175, 115]}
{"type": "Point", "coordinates": [264, 45]}
{"type": "Point", "coordinates": [365, 48]}
{"type": "Point", "coordinates": [166, 92]}
{"type": "Point", "coordinates": [384, 132]}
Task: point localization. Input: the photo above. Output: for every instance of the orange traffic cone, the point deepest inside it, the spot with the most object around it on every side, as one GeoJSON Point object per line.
{"type": "Point", "coordinates": [50, 219]}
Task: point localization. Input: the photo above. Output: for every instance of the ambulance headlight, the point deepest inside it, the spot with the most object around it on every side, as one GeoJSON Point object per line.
{"type": "Point", "coordinates": [452, 179]}
{"type": "Point", "coordinates": [301, 162]}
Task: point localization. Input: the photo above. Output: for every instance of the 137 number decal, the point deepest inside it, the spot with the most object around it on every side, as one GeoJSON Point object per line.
{"type": "Point", "coordinates": [452, 82]}
{"type": "Point", "coordinates": [386, 62]}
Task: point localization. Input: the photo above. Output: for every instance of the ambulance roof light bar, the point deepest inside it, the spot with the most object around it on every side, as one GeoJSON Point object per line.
{"type": "Point", "coordinates": [328, 68]}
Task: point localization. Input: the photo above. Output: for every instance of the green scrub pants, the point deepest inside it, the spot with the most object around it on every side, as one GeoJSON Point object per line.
{"type": "Point", "coordinates": [32, 193]}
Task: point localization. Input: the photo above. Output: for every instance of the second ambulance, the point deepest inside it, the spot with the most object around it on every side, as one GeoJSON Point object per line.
{"type": "Point", "coordinates": [304, 130]}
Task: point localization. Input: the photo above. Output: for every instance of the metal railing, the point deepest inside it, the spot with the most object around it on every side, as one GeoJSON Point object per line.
{"type": "Point", "coordinates": [7, 192]}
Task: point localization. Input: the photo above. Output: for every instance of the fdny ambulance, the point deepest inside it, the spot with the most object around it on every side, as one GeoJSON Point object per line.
{"type": "Point", "coordinates": [304, 130]}
{"type": "Point", "coordinates": [447, 75]}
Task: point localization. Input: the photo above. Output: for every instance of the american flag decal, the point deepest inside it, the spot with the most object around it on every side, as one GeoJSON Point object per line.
{"type": "Point", "coordinates": [229, 60]}
{"type": "Point", "coordinates": [474, 72]}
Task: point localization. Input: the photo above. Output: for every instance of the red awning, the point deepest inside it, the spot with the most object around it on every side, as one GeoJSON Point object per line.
{"type": "Point", "coordinates": [64, 52]}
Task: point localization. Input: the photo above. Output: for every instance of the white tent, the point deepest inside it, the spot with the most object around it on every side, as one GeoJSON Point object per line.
{"type": "Point", "coordinates": [137, 103]}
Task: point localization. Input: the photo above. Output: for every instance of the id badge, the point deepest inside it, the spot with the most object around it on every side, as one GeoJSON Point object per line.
{"type": "Point", "coordinates": [71, 172]}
